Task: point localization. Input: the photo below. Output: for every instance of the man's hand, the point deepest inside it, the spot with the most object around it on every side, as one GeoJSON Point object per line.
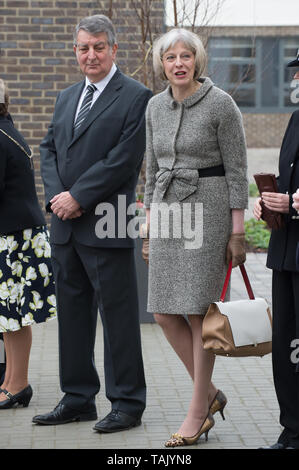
{"type": "Point", "coordinates": [65, 206]}
{"type": "Point", "coordinates": [76, 214]}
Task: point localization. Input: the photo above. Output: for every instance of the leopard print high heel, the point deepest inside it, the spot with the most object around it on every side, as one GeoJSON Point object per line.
{"type": "Point", "coordinates": [177, 440]}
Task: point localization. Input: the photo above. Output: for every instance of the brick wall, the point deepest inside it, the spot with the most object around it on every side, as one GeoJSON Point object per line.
{"type": "Point", "coordinates": [37, 61]}
{"type": "Point", "coordinates": [265, 130]}
{"type": "Point", "coordinates": [37, 58]}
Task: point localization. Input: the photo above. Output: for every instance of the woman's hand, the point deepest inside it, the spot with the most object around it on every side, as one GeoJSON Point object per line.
{"type": "Point", "coordinates": [278, 202]}
{"type": "Point", "coordinates": [257, 209]}
{"type": "Point", "coordinates": [296, 201]}
{"type": "Point", "coordinates": [144, 234]}
{"type": "Point", "coordinates": [235, 250]}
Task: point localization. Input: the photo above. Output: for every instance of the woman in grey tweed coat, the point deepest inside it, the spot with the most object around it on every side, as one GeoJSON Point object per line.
{"type": "Point", "coordinates": [196, 192]}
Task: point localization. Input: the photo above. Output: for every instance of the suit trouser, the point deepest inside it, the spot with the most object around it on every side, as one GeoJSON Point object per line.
{"type": "Point", "coordinates": [88, 277]}
{"type": "Point", "coordinates": [285, 299]}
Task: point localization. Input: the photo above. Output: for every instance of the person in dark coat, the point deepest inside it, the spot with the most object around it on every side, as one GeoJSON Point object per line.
{"type": "Point", "coordinates": [285, 284]}
{"type": "Point", "coordinates": [2, 359]}
{"type": "Point", "coordinates": [296, 207]}
{"type": "Point", "coordinates": [27, 291]}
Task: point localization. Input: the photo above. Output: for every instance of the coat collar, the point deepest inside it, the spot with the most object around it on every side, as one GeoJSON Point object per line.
{"type": "Point", "coordinates": [290, 145]}
{"type": "Point", "coordinates": [107, 97]}
{"type": "Point", "coordinates": [207, 84]}
{"type": "Point", "coordinates": [7, 118]}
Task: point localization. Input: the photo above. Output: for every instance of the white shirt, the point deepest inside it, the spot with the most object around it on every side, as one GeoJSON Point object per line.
{"type": "Point", "coordinates": [101, 85]}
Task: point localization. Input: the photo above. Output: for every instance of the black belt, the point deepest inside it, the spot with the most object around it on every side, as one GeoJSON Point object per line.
{"type": "Point", "coordinates": [211, 171]}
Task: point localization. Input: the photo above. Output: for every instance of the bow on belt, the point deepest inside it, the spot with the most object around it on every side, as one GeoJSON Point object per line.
{"type": "Point", "coordinates": [185, 182]}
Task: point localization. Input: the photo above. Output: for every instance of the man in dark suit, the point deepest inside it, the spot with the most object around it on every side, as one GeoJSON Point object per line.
{"type": "Point", "coordinates": [90, 157]}
{"type": "Point", "coordinates": [285, 284]}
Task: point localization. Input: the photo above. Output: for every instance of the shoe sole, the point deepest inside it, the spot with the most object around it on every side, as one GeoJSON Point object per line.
{"type": "Point", "coordinates": [109, 431]}
{"type": "Point", "coordinates": [91, 417]}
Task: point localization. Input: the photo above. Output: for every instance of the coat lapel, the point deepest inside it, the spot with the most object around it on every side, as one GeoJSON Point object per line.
{"type": "Point", "coordinates": [107, 97]}
{"type": "Point", "coordinates": [295, 138]}
{"type": "Point", "coordinates": [71, 110]}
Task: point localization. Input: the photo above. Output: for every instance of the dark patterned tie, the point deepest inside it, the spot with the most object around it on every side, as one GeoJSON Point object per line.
{"type": "Point", "coordinates": [85, 106]}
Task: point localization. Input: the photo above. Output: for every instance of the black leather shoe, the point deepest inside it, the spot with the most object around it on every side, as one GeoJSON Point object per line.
{"type": "Point", "coordinates": [277, 445]}
{"type": "Point", "coordinates": [21, 398]}
{"type": "Point", "coordinates": [117, 421]}
{"type": "Point", "coordinates": [62, 414]}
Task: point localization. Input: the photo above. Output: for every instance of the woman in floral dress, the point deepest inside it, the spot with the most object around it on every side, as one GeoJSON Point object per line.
{"type": "Point", "coordinates": [27, 292]}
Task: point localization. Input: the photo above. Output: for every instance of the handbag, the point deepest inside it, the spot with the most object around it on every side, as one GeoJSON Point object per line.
{"type": "Point", "coordinates": [267, 182]}
{"type": "Point", "coordinates": [238, 328]}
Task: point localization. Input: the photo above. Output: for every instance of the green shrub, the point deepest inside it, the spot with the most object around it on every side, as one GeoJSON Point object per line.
{"type": "Point", "coordinates": [253, 191]}
{"type": "Point", "coordinates": [257, 235]}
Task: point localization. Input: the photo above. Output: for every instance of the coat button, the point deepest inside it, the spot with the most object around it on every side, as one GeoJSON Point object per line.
{"type": "Point", "coordinates": [292, 164]}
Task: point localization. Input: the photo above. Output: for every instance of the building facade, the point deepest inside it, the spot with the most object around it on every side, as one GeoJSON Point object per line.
{"type": "Point", "coordinates": [250, 63]}
{"type": "Point", "coordinates": [37, 61]}
{"type": "Point", "coordinates": [37, 58]}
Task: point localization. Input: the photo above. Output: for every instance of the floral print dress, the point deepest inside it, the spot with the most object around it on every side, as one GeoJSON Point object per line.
{"type": "Point", "coordinates": [27, 291]}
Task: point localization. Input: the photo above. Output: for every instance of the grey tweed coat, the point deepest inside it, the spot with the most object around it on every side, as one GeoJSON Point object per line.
{"type": "Point", "coordinates": [191, 216]}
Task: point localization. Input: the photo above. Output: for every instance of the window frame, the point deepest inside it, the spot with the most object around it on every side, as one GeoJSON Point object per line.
{"type": "Point", "coordinates": [258, 108]}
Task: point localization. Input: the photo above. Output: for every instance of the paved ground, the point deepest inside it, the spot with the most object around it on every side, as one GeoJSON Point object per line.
{"type": "Point", "coordinates": [262, 161]}
{"type": "Point", "coordinates": [251, 413]}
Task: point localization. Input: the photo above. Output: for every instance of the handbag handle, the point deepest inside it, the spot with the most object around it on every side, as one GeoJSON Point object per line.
{"type": "Point", "coordinates": [246, 280]}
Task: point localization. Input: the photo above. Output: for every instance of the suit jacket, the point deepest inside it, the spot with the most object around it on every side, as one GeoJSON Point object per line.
{"type": "Point", "coordinates": [99, 163]}
{"type": "Point", "coordinates": [283, 242]}
{"type": "Point", "coordinates": [19, 207]}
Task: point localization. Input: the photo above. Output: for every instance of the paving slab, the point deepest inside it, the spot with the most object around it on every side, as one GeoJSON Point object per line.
{"type": "Point", "coordinates": [251, 414]}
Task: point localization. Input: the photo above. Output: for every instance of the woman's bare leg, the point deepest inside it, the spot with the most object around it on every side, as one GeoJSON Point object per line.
{"type": "Point", "coordinates": [179, 334]}
{"type": "Point", "coordinates": [17, 348]}
{"type": "Point", "coordinates": [203, 369]}
{"type": "Point", "coordinates": [7, 366]}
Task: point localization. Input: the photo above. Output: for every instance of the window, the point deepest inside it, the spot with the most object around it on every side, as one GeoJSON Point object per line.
{"type": "Point", "coordinates": [254, 72]}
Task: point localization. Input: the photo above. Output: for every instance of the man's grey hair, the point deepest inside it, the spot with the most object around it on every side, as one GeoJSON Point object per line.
{"type": "Point", "coordinates": [96, 24]}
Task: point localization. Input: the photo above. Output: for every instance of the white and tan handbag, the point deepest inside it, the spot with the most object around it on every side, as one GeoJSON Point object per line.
{"type": "Point", "coordinates": [238, 328]}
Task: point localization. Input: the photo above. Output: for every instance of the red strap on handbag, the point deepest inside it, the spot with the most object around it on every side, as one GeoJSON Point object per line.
{"type": "Point", "coordinates": [246, 280]}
